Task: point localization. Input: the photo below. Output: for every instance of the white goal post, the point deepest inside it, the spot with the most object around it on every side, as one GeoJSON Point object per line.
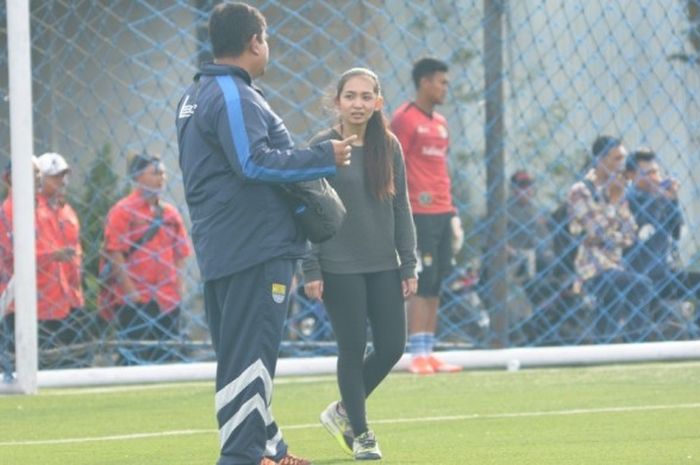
{"type": "Point", "coordinates": [511, 359]}
{"type": "Point", "coordinates": [21, 135]}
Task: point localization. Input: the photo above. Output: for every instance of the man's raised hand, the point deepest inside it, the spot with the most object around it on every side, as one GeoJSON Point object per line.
{"type": "Point", "coordinates": [342, 149]}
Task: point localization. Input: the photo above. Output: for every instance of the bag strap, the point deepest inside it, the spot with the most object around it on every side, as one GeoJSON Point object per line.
{"type": "Point", "coordinates": [150, 233]}
{"type": "Point", "coordinates": [152, 230]}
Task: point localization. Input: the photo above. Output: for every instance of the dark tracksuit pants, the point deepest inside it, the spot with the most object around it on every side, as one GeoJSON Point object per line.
{"type": "Point", "coordinates": [246, 313]}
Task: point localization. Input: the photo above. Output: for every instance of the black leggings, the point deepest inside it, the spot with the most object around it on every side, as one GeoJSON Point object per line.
{"type": "Point", "coordinates": [352, 299]}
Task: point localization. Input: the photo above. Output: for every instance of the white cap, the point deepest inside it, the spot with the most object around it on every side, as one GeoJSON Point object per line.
{"type": "Point", "coordinates": [51, 164]}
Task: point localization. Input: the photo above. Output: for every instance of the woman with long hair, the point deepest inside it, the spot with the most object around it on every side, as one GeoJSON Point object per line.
{"type": "Point", "coordinates": [368, 268]}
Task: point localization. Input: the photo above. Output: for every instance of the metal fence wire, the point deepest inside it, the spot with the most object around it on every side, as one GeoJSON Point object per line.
{"type": "Point", "coordinates": [107, 75]}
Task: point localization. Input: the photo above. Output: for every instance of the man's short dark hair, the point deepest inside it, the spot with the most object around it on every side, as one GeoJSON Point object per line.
{"type": "Point", "coordinates": [231, 26]}
{"type": "Point", "coordinates": [603, 145]}
{"type": "Point", "coordinates": [642, 154]}
{"type": "Point", "coordinates": [426, 67]}
{"type": "Point", "coordinates": [139, 163]}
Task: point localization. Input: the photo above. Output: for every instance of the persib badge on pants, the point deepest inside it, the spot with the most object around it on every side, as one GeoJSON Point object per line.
{"type": "Point", "coordinates": [279, 291]}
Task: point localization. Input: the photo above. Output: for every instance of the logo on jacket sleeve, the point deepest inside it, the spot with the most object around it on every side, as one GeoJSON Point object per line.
{"type": "Point", "coordinates": [186, 110]}
{"type": "Point", "coordinates": [279, 292]}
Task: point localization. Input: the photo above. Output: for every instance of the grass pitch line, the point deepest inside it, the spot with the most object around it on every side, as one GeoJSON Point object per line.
{"type": "Point", "coordinates": [474, 416]}
{"type": "Point", "coordinates": [120, 437]}
{"type": "Point", "coordinates": [494, 416]}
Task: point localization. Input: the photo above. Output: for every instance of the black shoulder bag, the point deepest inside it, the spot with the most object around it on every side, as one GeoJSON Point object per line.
{"type": "Point", "coordinates": [317, 208]}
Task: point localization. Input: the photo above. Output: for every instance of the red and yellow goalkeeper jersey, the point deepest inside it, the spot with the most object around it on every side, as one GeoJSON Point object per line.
{"type": "Point", "coordinates": [424, 140]}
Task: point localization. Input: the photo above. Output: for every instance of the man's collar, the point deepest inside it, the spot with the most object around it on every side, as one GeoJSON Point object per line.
{"type": "Point", "coordinates": [144, 197]}
{"type": "Point", "coordinates": [215, 69]}
{"type": "Point", "coordinates": [54, 203]}
{"type": "Point", "coordinates": [428, 114]}
{"type": "Point", "coordinates": [593, 177]}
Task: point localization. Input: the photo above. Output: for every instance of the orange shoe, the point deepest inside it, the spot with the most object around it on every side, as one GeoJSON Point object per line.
{"type": "Point", "coordinates": [420, 365]}
{"type": "Point", "coordinates": [440, 366]}
{"type": "Point", "coordinates": [289, 459]}
{"type": "Point", "coordinates": [267, 461]}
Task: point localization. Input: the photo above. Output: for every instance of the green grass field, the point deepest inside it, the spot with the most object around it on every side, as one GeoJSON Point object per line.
{"type": "Point", "coordinates": [633, 414]}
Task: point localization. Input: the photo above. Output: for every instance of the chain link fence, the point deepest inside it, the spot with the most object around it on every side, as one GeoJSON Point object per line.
{"type": "Point", "coordinates": [107, 76]}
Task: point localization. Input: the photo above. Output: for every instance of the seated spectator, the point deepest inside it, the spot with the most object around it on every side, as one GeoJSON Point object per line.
{"type": "Point", "coordinates": [600, 214]}
{"type": "Point", "coordinates": [653, 201]}
{"type": "Point", "coordinates": [530, 259]}
{"type": "Point", "coordinates": [64, 329]}
{"type": "Point", "coordinates": [527, 247]}
{"type": "Point", "coordinates": [146, 246]}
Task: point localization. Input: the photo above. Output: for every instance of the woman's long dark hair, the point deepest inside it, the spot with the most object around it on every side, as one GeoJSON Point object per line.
{"type": "Point", "coordinates": [379, 163]}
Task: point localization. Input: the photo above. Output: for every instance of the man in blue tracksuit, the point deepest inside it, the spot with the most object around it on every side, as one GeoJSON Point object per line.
{"type": "Point", "coordinates": [233, 151]}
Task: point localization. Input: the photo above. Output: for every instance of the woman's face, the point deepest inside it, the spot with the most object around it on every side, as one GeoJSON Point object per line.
{"type": "Point", "coordinates": [358, 100]}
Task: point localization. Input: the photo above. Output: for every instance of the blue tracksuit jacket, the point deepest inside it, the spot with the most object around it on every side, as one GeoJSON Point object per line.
{"type": "Point", "coordinates": [233, 150]}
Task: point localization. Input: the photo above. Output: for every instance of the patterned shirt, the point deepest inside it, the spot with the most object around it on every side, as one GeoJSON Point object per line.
{"type": "Point", "coordinates": [608, 228]}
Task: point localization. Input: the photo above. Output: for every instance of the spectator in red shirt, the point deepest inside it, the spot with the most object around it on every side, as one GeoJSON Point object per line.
{"type": "Point", "coordinates": [424, 138]}
{"type": "Point", "coordinates": [7, 317]}
{"type": "Point", "coordinates": [6, 252]}
{"type": "Point", "coordinates": [63, 327]}
{"type": "Point", "coordinates": [146, 245]}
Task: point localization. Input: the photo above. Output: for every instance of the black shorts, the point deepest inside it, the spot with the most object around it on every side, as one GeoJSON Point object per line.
{"type": "Point", "coordinates": [434, 237]}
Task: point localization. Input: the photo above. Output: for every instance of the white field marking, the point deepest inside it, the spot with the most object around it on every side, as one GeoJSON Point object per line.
{"type": "Point", "coordinates": [120, 437]}
{"type": "Point", "coordinates": [492, 416]}
{"type": "Point", "coordinates": [474, 416]}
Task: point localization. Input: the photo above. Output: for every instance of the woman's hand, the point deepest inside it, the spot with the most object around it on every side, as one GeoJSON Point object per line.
{"type": "Point", "coordinates": [314, 290]}
{"type": "Point", "coordinates": [409, 287]}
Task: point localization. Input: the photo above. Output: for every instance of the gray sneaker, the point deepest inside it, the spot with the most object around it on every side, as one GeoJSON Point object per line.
{"type": "Point", "coordinates": [365, 447]}
{"type": "Point", "coordinates": [338, 425]}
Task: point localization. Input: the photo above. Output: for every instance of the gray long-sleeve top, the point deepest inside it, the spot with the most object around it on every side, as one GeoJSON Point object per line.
{"type": "Point", "coordinates": [376, 235]}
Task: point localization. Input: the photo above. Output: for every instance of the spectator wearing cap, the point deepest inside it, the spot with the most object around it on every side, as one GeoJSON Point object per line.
{"type": "Point", "coordinates": [527, 226]}
{"type": "Point", "coordinates": [600, 213]}
{"type": "Point", "coordinates": [146, 246]}
{"type": "Point", "coordinates": [527, 246]}
{"type": "Point", "coordinates": [63, 324]}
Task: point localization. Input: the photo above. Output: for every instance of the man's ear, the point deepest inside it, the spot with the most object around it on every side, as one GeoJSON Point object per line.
{"type": "Point", "coordinates": [254, 44]}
